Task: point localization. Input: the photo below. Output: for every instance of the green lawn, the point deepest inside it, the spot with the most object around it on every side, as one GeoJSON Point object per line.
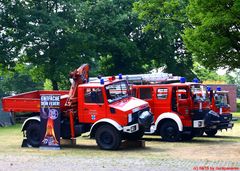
{"type": "Point", "coordinates": [237, 114]}
{"type": "Point", "coordinates": [11, 140]}
{"type": "Point", "coordinates": [225, 143]}
{"type": "Point", "coordinates": [238, 105]}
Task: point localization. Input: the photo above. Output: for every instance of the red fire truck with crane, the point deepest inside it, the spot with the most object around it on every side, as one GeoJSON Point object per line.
{"type": "Point", "coordinates": [181, 110]}
{"type": "Point", "coordinates": [103, 108]}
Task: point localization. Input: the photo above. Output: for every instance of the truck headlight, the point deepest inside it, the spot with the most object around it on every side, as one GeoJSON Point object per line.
{"type": "Point", "coordinates": [130, 118]}
{"type": "Point", "coordinates": [145, 118]}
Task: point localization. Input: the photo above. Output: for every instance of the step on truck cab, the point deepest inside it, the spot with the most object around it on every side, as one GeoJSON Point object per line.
{"type": "Point", "coordinates": [181, 110]}
{"type": "Point", "coordinates": [104, 108]}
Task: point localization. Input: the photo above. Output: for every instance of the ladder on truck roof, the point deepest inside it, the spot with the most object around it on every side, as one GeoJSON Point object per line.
{"type": "Point", "coordinates": [144, 78]}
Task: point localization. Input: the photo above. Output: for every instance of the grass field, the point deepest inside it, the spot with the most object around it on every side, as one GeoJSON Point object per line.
{"type": "Point", "coordinates": [238, 102]}
{"type": "Point", "coordinates": [237, 114]}
{"type": "Point", "coordinates": [222, 150]}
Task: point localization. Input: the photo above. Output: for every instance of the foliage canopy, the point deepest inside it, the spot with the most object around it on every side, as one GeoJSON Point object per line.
{"type": "Point", "coordinates": [215, 33]}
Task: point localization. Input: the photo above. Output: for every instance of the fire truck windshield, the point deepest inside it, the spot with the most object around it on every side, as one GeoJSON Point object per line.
{"type": "Point", "coordinates": [199, 92]}
{"type": "Point", "coordinates": [117, 91]}
{"type": "Point", "coordinates": [221, 99]}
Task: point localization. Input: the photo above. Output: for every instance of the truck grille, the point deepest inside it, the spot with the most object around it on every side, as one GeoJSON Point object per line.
{"type": "Point", "coordinates": [135, 116]}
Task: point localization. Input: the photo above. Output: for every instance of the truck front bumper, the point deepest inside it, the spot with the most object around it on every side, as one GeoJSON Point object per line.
{"type": "Point", "coordinates": [225, 125]}
{"type": "Point", "coordinates": [140, 120]}
{"type": "Point", "coordinates": [202, 124]}
{"type": "Point", "coordinates": [198, 124]}
{"type": "Point", "coordinates": [131, 128]}
{"type": "Point", "coordinates": [225, 121]}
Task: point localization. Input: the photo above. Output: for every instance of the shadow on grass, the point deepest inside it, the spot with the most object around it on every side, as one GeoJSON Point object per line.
{"type": "Point", "coordinates": [203, 139]}
{"type": "Point", "coordinates": [81, 146]}
{"type": "Point", "coordinates": [96, 148]}
{"type": "Point", "coordinates": [209, 141]}
{"type": "Point", "coordinates": [223, 136]}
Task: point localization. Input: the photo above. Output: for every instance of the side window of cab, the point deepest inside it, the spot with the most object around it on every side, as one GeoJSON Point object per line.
{"type": "Point", "coordinates": [182, 93]}
{"type": "Point", "coordinates": [162, 93]}
{"type": "Point", "coordinates": [145, 93]}
{"type": "Point", "coordinates": [134, 92]}
{"type": "Point", "coordinates": [93, 95]}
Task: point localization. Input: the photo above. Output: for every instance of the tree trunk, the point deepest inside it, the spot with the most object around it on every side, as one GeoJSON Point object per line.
{"type": "Point", "coordinates": [54, 84]}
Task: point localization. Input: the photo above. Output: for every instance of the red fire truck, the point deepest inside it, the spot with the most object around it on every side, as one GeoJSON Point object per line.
{"type": "Point", "coordinates": [181, 110]}
{"type": "Point", "coordinates": [103, 108]}
{"type": "Point", "coordinates": [220, 104]}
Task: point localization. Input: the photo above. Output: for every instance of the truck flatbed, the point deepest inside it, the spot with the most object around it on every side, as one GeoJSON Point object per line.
{"type": "Point", "coordinates": [30, 101]}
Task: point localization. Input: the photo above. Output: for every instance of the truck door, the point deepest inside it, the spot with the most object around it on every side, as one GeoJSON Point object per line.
{"type": "Point", "coordinates": [161, 101]}
{"type": "Point", "coordinates": [183, 100]}
{"type": "Point", "coordinates": [93, 107]}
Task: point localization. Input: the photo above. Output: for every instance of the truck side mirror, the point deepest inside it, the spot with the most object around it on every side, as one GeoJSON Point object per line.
{"type": "Point", "coordinates": [194, 97]}
{"type": "Point", "coordinates": [211, 95]}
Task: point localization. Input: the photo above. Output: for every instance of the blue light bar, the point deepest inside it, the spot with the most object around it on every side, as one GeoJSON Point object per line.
{"type": "Point", "coordinates": [208, 88]}
{"type": "Point", "coordinates": [101, 81]}
{"type": "Point", "coordinates": [195, 80]}
{"type": "Point", "coordinates": [182, 80]}
{"type": "Point", "coordinates": [119, 76]}
{"type": "Point", "coordinates": [219, 88]}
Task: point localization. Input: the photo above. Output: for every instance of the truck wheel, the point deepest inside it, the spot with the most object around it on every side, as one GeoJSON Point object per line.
{"type": "Point", "coordinates": [169, 131]}
{"type": "Point", "coordinates": [33, 134]}
{"type": "Point", "coordinates": [198, 133]}
{"type": "Point", "coordinates": [211, 132]}
{"type": "Point", "coordinates": [108, 138]}
{"type": "Point", "coordinates": [135, 136]}
{"type": "Point", "coordinates": [2, 124]}
{"type": "Point", "coordinates": [187, 137]}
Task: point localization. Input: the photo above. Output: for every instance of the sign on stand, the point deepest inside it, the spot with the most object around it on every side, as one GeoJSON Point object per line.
{"type": "Point", "coordinates": [50, 121]}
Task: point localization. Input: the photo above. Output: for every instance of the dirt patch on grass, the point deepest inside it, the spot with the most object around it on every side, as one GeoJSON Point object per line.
{"type": "Point", "coordinates": [220, 151]}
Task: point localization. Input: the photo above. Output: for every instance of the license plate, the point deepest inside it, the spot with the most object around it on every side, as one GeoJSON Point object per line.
{"type": "Point", "coordinates": [133, 128]}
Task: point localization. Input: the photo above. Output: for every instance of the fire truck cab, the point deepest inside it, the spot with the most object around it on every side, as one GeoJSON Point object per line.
{"type": "Point", "coordinates": [181, 110]}
{"type": "Point", "coordinates": [220, 104]}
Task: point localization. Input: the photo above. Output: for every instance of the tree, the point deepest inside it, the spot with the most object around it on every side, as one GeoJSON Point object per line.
{"type": "Point", "coordinates": [215, 32]}
{"type": "Point", "coordinates": [207, 75]}
{"type": "Point", "coordinates": [114, 25]}
{"type": "Point", "coordinates": [124, 47]}
{"type": "Point", "coordinates": [18, 80]}
{"type": "Point", "coordinates": [44, 33]}
{"type": "Point", "coordinates": [56, 36]}
{"type": "Point", "coordinates": [234, 78]}
{"type": "Point", "coordinates": [166, 20]}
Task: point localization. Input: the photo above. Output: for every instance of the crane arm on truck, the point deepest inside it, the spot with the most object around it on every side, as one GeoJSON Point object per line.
{"type": "Point", "coordinates": [78, 76]}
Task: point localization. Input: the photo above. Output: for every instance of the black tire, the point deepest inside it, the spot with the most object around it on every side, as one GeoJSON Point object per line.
{"type": "Point", "coordinates": [2, 124]}
{"type": "Point", "coordinates": [187, 137]}
{"type": "Point", "coordinates": [33, 133]}
{"type": "Point", "coordinates": [169, 131]}
{"type": "Point", "coordinates": [108, 138]}
{"type": "Point", "coordinates": [198, 133]}
{"type": "Point", "coordinates": [211, 132]}
{"type": "Point", "coordinates": [136, 135]}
